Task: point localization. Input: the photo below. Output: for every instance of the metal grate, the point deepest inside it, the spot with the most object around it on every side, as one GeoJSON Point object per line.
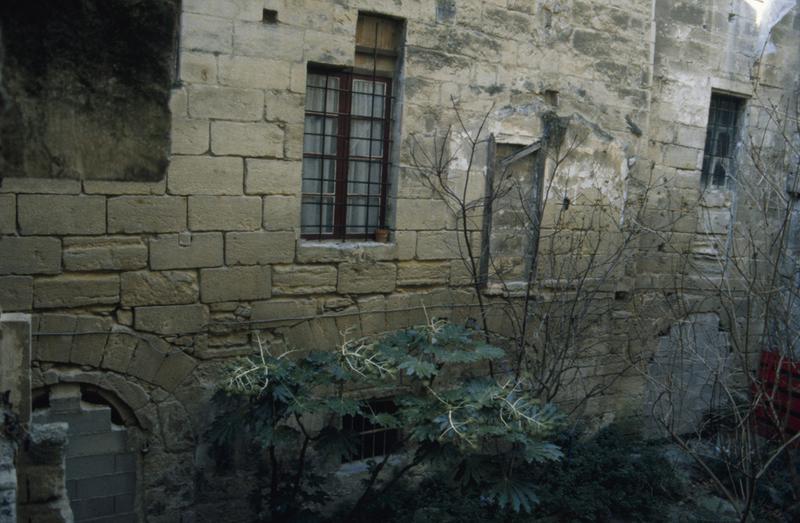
{"type": "Point", "coordinates": [721, 134]}
{"type": "Point", "coordinates": [373, 440]}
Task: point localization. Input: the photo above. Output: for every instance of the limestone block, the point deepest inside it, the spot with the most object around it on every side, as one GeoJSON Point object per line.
{"type": "Point", "coordinates": [205, 175]}
{"type": "Point", "coordinates": [438, 245]}
{"type": "Point", "coordinates": [227, 213]}
{"type": "Point", "coordinates": [309, 251]}
{"type": "Point", "coordinates": [146, 360]}
{"type": "Point", "coordinates": [237, 9]}
{"type": "Point", "coordinates": [198, 68]}
{"type": "Point", "coordinates": [54, 342]}
{"type": "Point", "coordinates": [406, 242]}
{"type": "Point", "coordinates": [225, 103]}
{"type": "Point", "coordinates": [257, 73]}
{"type": "Point", "coordinates": [190, 136]}
{"type": "Point", "coordinates": [413, 273]}
{"type": "Point", "coordinates": [134, 214]}
{"type": "Point", "coordinates": [158, 288]}
{"type": "Point", "coordinates": [171, 319]}
{"type": "Point", "coordinates": [40, 186]}
{"type": "Point", "coordinates": [273, 41]}
{"type": "Point", "coordinates": [246, 139]}
{"type": "Point", "coordinates": [276, 310]}
{"type": "Point", "coordinates": [16, 293]}
{"type": "Point", "coordinates": [113, 187]}
{"type": "Point", "coordinates": [460, 273]}
{"type": "Point", "coordinates": [174, 369]}
{"type": "Point", "coordinates": [186, 251]}
{"type": "Point", "coordinates": [423, 215]}
{"type": "Point", "coordinates": [281, 212]}
{"type": "Point", "coordinates": [372, 314]}
{"type": "Point", "coordinates": [75, 290]}
{"type": "Point", "coordinates": [234, 284]}
{"type": "Point", "coordinates": [328, 47]}
{"type": "Point", "coordinates": [365, 278]}
{"type": "Point", "coordinates": [104, 254]}
{"type": "Point", "coordinates": [29, 255]}
{"type": "Point", "coordinates": [119, 350]}
{"type": "Point", "coordinates": [682, 157]}
{"type": "Point", "coordinates": [89, 341]}
{"type": "Point", "coordinates": [61, 214]}
{"type": "Point", "coordinates": [303, 279]}
{"type": "Point", "coordinates": [253, 248]}
{"type": "Point", "coordinates": [8, 214]}
{"type": "Point", "coordinates": [272, 177]}
{"type": "Point", "coordinates": [132, 394]}
{"type": "Point", "coordinates": [206, 33]}
{"type": "Point", "coordinates": [284, 107]}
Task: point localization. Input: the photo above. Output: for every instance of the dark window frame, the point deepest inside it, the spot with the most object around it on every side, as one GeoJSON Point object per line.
{"type": "Point", "coordinates": [368, 434]}
{"type": "Point", "coordinates": [722, 133]}
{"type": "Point", "coordinates": [342, 156]}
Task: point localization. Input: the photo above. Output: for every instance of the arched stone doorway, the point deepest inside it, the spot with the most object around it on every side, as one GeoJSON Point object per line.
{"type": "Point", "coordinates": [103, 451]}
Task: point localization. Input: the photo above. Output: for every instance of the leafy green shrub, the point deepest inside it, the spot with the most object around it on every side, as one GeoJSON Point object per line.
{"type": "Point", "coordinates": [480, 428]}
{"type": "Point", "coordinates": [612, 475]}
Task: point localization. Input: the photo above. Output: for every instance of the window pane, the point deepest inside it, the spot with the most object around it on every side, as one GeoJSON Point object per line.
{"type": "Point", "coordinates": [317, 215]}
{"type": "Point", "coordinates": [365, 91]}
{"type": "Point", "coordinates": [317, 170]}
{"type": "Point", "coordinates": [364, 177]}
{"type": "Point", "coordinates": [314, 136]}
{"type": "Point", "coordinates": [315, 93]}
{"type": "Point", "coordinates": [362, 214]}
{"type": "Point", "coordinates": [366, 138]}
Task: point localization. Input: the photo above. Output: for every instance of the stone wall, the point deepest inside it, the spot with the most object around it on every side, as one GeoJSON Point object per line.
{"type": "Point", "coordinates": [145, 289]}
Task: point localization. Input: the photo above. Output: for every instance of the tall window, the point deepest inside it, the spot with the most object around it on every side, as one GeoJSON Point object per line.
{"type": "Point", "coordinates": [721, 134]}
{"type": "Point", "coordinates": [347, 138]}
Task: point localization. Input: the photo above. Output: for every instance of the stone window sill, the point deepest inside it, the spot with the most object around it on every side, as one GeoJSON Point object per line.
{"type": "Point", "coordinates": [336, 251]}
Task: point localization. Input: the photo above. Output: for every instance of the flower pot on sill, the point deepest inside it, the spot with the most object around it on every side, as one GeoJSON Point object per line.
{"type": "Point", "coordinates": [381, 235]}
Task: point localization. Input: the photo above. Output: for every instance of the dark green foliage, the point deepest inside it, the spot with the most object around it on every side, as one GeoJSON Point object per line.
{"type": "Point", "coordinates": [613, 475]}
{"type": "Point", "coordinates": [480, 429]}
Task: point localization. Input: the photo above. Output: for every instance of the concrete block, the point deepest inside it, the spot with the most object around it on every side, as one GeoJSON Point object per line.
{"type": "Point", "coordinates": [206, 34]}
{"type": "Point", "coordinates": [135, 214]}
{"type": "Point", "coordinates": [158, 288]}
{"type": "Point", "coordinates": [413, 273]}
{"type": "Point", "coordinates": [171, 319]}
{"type": "Point", "coordinates": [254, 248]}
{"type": "Point", "coordinates": [186, 251]}
{"type": "Point", "coordinates": [75, 290]}
{"type": "Point", "coordinates": [235, 284]}
{"type": "Point", "coordinates": [16, 293]}
{"type": "Point", "coordinates": [174, 369]}
{"type": "Point", "coordinates": [365, 278]}
{"type": "Point", "coordinates": [190, 136]}
{"type": "Point", "coordinates": [272, 177]}
{"type": "Point", "coordinates": [303, 279]}
{"type": "Point", "coordinates": [224, 213]}
{"type": "Point", "coordinates": [8, 214]}
{"type": "Point", "coordinates": [226, 103]}
{"type": "Point", "coordinates": [246, 139]}
{"type": "Point", "coordinates": [281, 212]}
{"type": "Point", "coordinates": [205, 175]}
{"type": "Point", "coordinates": [257, 73]}
{"type": "Point", "coordinates": [88, 466]}
{"type": "Point", "coordinates": [105, 485]}
{"type": "Point", "coordinates": [104, 254]}
{"type": "Point", "coordinates": [61, 214]}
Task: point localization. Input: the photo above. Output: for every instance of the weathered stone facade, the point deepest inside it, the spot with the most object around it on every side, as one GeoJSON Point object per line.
{"type": "Point", "coordinates": [144, 289]}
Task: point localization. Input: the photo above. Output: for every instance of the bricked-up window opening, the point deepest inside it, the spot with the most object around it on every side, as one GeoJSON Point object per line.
{"type": "Point", "coordinates": [721, 134]}
{"type": "Point", "coordinates": [373, 440]}
{"type": "Point", "coordinates": [347, 140]}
